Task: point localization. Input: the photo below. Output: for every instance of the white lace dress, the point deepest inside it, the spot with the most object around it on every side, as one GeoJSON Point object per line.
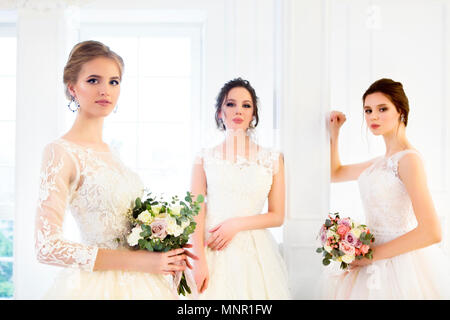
{"type": "Point", "coordinates": [98, 189]}
{"type": "Point", "coordinates": [419, 274]}
{"type": "Point", "coordinates": [251, 267]}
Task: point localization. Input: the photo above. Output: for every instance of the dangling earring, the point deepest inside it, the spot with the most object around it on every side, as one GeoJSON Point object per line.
{"type": "Point", "coordinates": [115, 108]}
{"type": "Point", "coordinates": [402, 118]}
{"type": "Point", "coordinates": [223, 124]}
{"type": "Point", "coordinates": [77, 105]}
{"type": "Point", "coordinates": [252, 124]}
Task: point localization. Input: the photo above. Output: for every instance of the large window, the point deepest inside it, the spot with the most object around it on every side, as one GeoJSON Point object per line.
{"type": "Point", "coordinates": [7, 157]}
{"type": "Point", "coordinates": [156, 127]}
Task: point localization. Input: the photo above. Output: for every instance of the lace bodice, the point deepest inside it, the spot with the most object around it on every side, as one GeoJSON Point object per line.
{"type": "Point", "coordinates": [237, 188]}
{"type": "Point", "coordinates": [97, 188]}
{"type": "Point", "coordinates": [387, 205]}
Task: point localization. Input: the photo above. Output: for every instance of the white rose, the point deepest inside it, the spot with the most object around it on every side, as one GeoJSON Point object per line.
{"type": "Point", "coordinates": [327, 248]}
{"type": "Point", "coordinates": [356, 232]}
{"type": "Point", "coordinates": [348, 258]}
{"type": "Point", "coordinates": [156, 209]}
{"type": "Point", "coordinates": [173, 228]}
{"type": "Point", "coordinates": [176, 210]}
{"type": "Point", "coordinates": [185, 224]}
{"type": "Point", "coordinates": [133, 237]}
{"type": "Point", "coordinates": [145, 217]}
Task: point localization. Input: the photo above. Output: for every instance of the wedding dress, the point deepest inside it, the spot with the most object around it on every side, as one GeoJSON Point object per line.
{"type": "Point", "coordinates": [250, 267]}
{"type": "Point", "coordinates": [418, 274]}
{"type": "Point", "coordinates": [98, 189]}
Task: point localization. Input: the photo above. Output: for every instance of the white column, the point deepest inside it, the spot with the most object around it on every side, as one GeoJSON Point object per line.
{"type": "Point", "coordinates": [302, 100]}
{"type": "Point", "coordinates": [46, 31]}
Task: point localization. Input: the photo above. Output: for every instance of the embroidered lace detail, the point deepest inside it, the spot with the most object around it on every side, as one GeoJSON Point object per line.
{"type": "Point", "coordinates": [386, 202]}
{"type": "Point", "coordinates": [51, 249]}
{"type": "Point", "coordinates": [48, 178]}
{"type": "Point", "coordinates": [254, 178]}
{"type": "Point", "coordinates": [97, 189]}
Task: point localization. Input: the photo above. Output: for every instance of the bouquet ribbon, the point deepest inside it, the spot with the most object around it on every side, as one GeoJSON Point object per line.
{"type": "Point", "coordinates": [189, 279]}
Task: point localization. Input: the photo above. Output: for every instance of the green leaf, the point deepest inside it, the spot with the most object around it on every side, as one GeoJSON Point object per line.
{"type": "Point", "coordinates": [138, 203]}
{"type": "Point", "coordinates": [200, 198]}
{"type": "Point", "coordinates": [325, 262]}
{"type": "Point", "coordinates": [337, 253]}
{"type": "Point", "coordinates": [328, 223]}
{"type": "Point", "coordinates": [142, 243]}
{"type": "Point", "coordinates": [148, 246]}
{"type": "Point", "coordinates": [319, 250]}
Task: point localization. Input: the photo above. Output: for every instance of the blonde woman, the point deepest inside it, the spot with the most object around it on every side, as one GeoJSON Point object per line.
{"type": "Point", "coordinates": [81, 173]}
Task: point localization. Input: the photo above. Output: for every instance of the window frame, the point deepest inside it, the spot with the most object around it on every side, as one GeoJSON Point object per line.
{"type": "Point", "coordinates": [194, 30]}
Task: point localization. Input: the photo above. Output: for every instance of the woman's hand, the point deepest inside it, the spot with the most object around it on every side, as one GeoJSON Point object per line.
{"type": "Point", "coordinates": [222, 234]}
{"type": "Point", "coordinates": [201, 274]}
{"type": "Point", "coordinates": [337, 119]}
{"type": "Point", "coordinates": [165, 262]}
{"type": "Point", "coordinates": [362, 262]}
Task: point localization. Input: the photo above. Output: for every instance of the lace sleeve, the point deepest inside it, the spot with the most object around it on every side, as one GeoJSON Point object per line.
{"type": "Point", "coordinates": [271, 160]}
{"type": "Point", "coordinates": [58, 168]}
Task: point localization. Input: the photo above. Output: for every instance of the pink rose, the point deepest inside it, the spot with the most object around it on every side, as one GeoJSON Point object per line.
{"type": "Point", "coordinates": [364, 249]}
{"type": "Point", "coordinates": [347, 248]}
{"type": "Point", "coordinates": [346, 222]}
{"type": "Point", "coordinates": [159, 229]}
{"type": "Point", "coordinates": [351, 239]}
{"type": "Point", "coordinates": [358, 244]}
{"type": "Point", "coordinates": [342, 230]}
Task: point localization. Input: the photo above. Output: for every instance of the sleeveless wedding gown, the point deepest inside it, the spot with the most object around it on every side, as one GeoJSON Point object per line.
{"type": "Point", "coordinates": [98, 189]}
{"type": "Point", "coordinates": [418, 274]}
{"type": "Point", "coordinates": [251, 267]}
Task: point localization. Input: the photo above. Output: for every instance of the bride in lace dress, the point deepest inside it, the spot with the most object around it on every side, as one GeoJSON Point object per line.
{"type": "Point", "coordinates": [407, 262]}
{"type": "Point", "coordinates": [238, 257]}
{"type": "Point", "coordinates": [83, 174]}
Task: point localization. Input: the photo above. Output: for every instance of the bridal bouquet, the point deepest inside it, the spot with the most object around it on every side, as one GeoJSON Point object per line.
{"type": "Point", "coordinates": [158, 225]}
{"type": "Point", "coordinates": [344, 240]}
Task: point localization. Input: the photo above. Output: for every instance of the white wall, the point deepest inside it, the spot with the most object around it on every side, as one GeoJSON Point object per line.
{"type": "Point", "coordinates": [302, 76]}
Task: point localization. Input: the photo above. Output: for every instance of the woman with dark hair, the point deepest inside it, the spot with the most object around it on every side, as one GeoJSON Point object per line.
{"type": "Point", "coordinates": [238, 257]}
{"type": "Point", "coordinates": [398, 207]}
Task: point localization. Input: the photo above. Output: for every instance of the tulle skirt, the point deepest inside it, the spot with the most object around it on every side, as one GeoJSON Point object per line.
{"type": "Point", "coordinates": [419, 274]}
{"type": "Point", "coordinates": [250, 268]}
{"type": "Point", "coordinates": [115, 285]}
